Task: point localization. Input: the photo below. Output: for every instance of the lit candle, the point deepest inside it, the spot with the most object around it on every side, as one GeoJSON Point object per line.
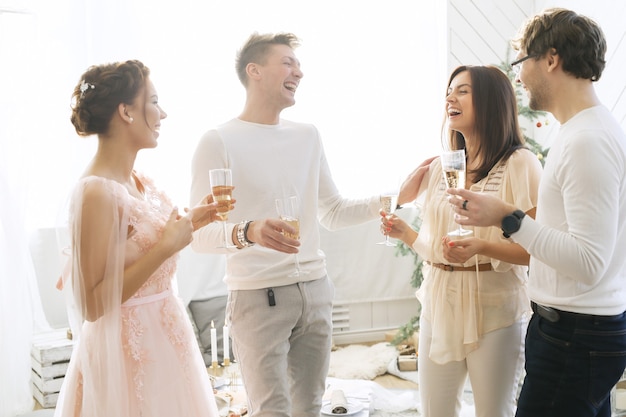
{"type": "Point", "coordinates": [213, 345]}
{"type": "Point", "coordinates": [226, 347]}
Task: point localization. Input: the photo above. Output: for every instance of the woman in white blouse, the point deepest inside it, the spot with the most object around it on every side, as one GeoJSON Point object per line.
{"type": "Point", "coordinates": [474, 302]}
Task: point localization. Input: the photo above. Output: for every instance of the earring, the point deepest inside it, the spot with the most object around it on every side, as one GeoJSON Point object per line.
{"type": "Point", "coordinates": [131, 119]}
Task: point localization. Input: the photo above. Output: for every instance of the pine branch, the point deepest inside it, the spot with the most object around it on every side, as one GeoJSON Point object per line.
{"type": "Point", "coordinates": [407, 330]}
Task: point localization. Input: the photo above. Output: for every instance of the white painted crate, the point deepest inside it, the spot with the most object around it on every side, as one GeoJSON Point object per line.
{"type": "Point", "coordinates": [50, 356]}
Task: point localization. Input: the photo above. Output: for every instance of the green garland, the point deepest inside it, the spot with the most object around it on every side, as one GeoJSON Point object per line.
{"type": "Point", "coordinates": [407, 330]}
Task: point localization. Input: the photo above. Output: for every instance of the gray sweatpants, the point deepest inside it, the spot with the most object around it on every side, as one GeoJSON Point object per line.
{"type": "Point", "coordinates": [283, 350]}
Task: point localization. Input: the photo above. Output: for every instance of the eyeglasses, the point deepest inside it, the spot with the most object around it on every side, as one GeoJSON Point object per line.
{"type": "Point", "coordinates": [516, 65]}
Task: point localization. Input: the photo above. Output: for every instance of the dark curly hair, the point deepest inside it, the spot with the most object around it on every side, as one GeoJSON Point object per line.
{"type": "Point", "coordinates": [578, 40]}
{"type": "Point", "coordinates": [100, 91]}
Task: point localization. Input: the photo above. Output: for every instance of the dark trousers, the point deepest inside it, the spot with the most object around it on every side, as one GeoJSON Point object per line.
{"type": "Point", "coordinates": [572, 364]}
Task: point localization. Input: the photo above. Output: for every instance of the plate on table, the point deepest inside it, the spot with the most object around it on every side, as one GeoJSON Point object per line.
{"type": "Point", "coordinates": [354, 406]}
{"type": "Point", "coordinates": [218, 382]}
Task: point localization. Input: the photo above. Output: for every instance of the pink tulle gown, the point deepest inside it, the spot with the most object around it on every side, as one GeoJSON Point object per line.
{"type": "Point", "coordinates": [140, 358]}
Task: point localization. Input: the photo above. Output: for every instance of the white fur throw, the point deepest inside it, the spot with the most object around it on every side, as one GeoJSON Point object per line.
{"type": "Point", "coordinates": [361, 362]}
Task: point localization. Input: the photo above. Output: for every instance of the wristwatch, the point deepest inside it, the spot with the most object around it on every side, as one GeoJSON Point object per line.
{"type": "Point", "coordinates": [512, 222]}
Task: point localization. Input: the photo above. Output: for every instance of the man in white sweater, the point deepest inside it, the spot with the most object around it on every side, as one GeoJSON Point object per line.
{"type": "Point", "coordinates": [576, 340]}
{"type": "Point", "coordinates": [280, 324]}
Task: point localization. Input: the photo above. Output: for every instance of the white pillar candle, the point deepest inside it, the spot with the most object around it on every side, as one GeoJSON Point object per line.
{"type": "Point", "coordinates": [213, 344]}
{"type": "Point", "coordinates": [226, 346]}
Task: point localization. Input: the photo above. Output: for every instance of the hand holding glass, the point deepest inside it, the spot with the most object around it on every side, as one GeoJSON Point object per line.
{"type": "Point", "coordinates": [388, 204]}
{"type": "Point", "coordinates": [453, 167]}
{"type": "Point", "coordinates": [222, 190]}
{"type": "Point", "coordinates": [288, 211]}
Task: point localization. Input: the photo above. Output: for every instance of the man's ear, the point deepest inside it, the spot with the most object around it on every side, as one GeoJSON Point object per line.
{"type": "Point", "coordinates": [553, 59]}
{"type": "Point", "coordinates": [253, 71]}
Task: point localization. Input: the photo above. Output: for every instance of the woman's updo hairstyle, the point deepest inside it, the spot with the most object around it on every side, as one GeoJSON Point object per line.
{"type": "Point", "coordinates": [100, 91]}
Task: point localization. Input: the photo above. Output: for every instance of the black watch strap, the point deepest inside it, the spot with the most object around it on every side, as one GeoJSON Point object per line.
{"type": "Point", "coordinates": [512, 223]}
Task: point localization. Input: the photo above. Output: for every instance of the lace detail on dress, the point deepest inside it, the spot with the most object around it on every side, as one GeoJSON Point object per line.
{"type": "Point", "coordinates": [133, 332]}
{"type": "Point", "coordinates": [147, 219]}
{"type": "Point", "coordinates": [175, 325]}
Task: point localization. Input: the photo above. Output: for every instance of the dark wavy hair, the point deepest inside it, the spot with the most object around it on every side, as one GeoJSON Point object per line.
{"type": "Point", "coordinates": [495, 110]}
{"type": "Point", "coordinates": [256, 49]}
{"type": "Point", "coordinates": [101, 89]}
{"type": "Point", "coordinates": [578, 40]}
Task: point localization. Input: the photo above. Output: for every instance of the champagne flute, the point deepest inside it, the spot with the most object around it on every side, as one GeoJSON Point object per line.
{"type": "Point", "coordinates": [222, 190]}
{"type": "Point", "coordinates": [388, 203]}
{"type": "Point", "coordinates": [453, 167]}
{"type": "Point", "coordinates": [288, 211]}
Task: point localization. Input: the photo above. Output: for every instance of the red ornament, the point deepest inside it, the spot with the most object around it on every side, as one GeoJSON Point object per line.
{"type": "Point", "coordinates": [538, 124]}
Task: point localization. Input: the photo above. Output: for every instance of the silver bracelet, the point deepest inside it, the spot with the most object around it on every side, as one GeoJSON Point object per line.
{"type": "Point", "coordinates": [242, 229]}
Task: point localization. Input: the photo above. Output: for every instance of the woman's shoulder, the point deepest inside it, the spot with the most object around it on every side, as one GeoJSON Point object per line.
{"type": "Point", "coordinates": [95, 187]}
{"type": "Point", "coordinates": [97, 182]}
{"type": "Point", "coordinates": [523, 153]}
{"type": "Point", "coordinates": [523, 156]}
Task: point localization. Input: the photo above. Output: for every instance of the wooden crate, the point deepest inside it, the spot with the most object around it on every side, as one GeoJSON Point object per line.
{"type": "Point", "coordinates": [50, 356]}
{"type": "Point", "coordinates": [48, 400]}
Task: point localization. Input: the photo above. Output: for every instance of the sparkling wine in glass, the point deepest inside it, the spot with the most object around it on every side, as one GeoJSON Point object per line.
{"type": "Point", "coordinates": [222, 190]}
{"type": "Point", "coordinates": [388, 203]}
{"type": "Point", "coordinates": [289, 212]}
{"type": "Point", "coordinates": [454, 172]}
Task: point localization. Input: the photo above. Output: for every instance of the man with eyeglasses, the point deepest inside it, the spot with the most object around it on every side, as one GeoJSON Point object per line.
{"type": "Point", "coordinates": [576, 339]}
{"type": "Point", "coordinates": [517, 65]}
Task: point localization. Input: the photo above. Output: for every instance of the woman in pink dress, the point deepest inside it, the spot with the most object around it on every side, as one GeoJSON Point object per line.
{"type": "Point", "coordinates": [136, 352]}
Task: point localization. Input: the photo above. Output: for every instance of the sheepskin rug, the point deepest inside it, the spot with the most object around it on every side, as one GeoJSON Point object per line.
{"type": "Point", "coordinates": [360, 361]}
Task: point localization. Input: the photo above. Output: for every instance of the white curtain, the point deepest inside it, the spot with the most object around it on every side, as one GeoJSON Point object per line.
{"type": "Point", "coordinates": [20, 306]}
